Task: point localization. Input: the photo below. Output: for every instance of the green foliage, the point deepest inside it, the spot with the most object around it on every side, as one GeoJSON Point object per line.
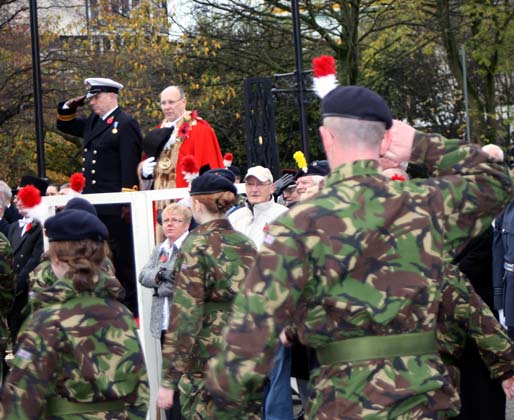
{"type": "Point", "coordinates": [409, 51]}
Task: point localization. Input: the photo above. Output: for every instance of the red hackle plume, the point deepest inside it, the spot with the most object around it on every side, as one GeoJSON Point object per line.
{"type": "Point", "coordinates": [228, 158]}
{"type": "Point", "coordinates": [77, 182]}
{"type": "Point", "coordinates": [323, 65]}
{"type": "Point", "coordinates": [324, 71]}
{"type": "Point", "coordinates": [189, 165]}
{"type": "Point", "coordinates": [29, 196]}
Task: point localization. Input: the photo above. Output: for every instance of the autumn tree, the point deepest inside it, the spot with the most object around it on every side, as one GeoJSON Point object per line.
{"type": "Point", "coordinates": [408, 50]}
{"type": "Point", "coordinates": [133, 46]}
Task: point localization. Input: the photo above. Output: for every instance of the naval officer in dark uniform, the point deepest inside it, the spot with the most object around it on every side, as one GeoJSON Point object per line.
{"type": "Point", "coordinates": [111, 151]}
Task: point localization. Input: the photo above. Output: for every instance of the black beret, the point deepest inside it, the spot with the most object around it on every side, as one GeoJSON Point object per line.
{"type": "Point", "coordinates": [223, 172]}
{"type": "Point", "coordinates": [39, 183]}
{"type": "Point", "coordinates": [155, 140]}
{"type": "Point", "coordinates": [356, 102]}
{"type": "Point", "coordinates": [318, 167]}
{"type": "Point", "coordinates": [210, 184]}
{"type": "Point", "coordinates": [235, 170]}
{"type": "Point", "coordinates": [77, 203]}
{"type": "Point", "coordinates": [204, 168]}
{"type": "Point", "coordinates": [75, 225]}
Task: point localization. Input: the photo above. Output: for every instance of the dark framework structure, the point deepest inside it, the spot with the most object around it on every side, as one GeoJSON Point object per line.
{"type": "Point", "coordinates": [261, 142]}
{"type": "Point", "coordinates": [261, 145]}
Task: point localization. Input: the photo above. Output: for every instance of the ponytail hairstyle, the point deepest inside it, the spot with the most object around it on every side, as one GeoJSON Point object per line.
{"type": "Point", "coordinates": [216, 203]}
{"type": "Point", "coordinates": [84, 258]}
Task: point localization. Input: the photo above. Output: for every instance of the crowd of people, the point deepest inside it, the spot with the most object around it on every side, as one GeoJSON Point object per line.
{"type": "Point", "coordinates": [350, 288]}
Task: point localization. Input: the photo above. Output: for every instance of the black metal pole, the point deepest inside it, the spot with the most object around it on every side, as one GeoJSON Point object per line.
{"type": "Point", "coordinates": [36, 77]}
{"type": "Point", "coordinates": [299, 77]}
{"type": "Point", "coordinates": [465, 88]}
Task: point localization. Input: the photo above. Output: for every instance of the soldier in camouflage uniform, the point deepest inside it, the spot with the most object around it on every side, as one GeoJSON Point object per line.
{"type": "Point", "coordinates": [358, 268]}
{"type": "Point", "coordinates": [464, 315]}
{"type": "Point", "coordinates": [79, 355]}
{"type": "Point", "coordinates": [212, 263]}
{"type": "Point", "coordinates": [7, 291]}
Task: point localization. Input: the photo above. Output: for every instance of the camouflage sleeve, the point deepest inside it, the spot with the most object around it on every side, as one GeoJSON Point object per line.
{"type": "Point", "coordinates": [29, 383]}
{"type": "Point", "coordinates": [186, 313]}
{"type": "Point", "coordinates": [474, 189]}
{"type": "Point", "coordinates": [7, 284]}
{"type": "Point", "coordinates": [462, 315]}
{"type": "Point", "coordinates": [41, 277]}
{"type": "Point", "coordinates": [264, 306]}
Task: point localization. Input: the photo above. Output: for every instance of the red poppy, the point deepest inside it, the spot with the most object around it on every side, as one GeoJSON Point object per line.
{"type": "Point", "coordinates": [110, 120]}
{"type": "Point", "coordinates": [184, 131]}
{"type": "Point", "coordinates": [163, 258]}
{"type": "Point", "coordinates": [398, 177]}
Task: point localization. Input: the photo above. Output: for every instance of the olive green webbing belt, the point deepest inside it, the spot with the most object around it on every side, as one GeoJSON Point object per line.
{"type": "Point", "coordinates": [210, 307]}
{"type": "Point", "coordinates": [57, 406]}
{"type": "Point", "coordinates": [377, 347]}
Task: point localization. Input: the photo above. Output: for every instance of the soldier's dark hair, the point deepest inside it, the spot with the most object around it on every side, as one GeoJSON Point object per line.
{"type": "Point", "coordinates": [84, 258]}
{"type": "Point", "coordinates": [217, 203]}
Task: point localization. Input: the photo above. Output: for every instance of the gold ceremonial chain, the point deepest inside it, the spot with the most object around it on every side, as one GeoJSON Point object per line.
{"type": "Point", "coordinates": [165, 163]}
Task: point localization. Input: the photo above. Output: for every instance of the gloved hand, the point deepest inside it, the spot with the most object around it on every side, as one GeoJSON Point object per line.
{"type": "Point", "coordinates": [76, 101]}
{"type": "Point", "coordinates": [281, 184]}
{"type": "Point", "coordinates": [165, 275]}
{"type": "Point", "coordinates": [501, 315]}
{"type": "Point", "coordinates": [147, 167]}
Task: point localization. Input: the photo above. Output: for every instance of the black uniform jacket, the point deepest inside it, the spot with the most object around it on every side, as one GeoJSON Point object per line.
{"type": "Point", "coordinates": [27, 251]}
{"type": "Point", "coordinates": [111, 148]}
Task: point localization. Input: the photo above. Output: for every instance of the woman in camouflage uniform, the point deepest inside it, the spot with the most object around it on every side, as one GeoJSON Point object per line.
{"type": "Point", "coordinates": [77, 356]}
{"type": "Point", "coordinates": [210, 268]}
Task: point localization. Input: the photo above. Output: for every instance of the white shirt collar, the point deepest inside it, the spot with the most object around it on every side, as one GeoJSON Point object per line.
{"type": "Point", "coordinates": [109, 113]}
{"type": "Point", "coordinates": [178, 243]}
{"type": "Point", "coordinates": [173, 123]}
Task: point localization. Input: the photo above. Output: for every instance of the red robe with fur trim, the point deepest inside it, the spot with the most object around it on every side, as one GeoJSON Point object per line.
{"type": "Point", "coordinates": [201, 142]}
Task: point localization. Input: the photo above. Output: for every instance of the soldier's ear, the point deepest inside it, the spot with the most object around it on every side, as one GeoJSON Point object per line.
{"type": "Point", "coordinates": [328, 142]}
{"type": "Point", "coordinates": [385, 143]}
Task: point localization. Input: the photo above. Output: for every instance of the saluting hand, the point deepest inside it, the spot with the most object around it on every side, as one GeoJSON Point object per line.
{"type": "Point", "coordinates": [76, 101]}
{"type": "Point", "coordinates": [398, 139]}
